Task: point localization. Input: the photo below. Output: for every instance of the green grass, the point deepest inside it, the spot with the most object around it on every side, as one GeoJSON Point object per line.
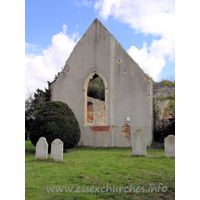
{"type": "Point", "coordinates": [97, 167]}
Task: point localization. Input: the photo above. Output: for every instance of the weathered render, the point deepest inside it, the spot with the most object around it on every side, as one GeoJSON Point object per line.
{"type": "Point", "coordinates": [128, 90]}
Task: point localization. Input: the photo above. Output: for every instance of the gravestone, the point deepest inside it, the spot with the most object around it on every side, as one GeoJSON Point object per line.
{"type": "Point", "coordinates": [57, 150]}
{"type": "Point", "coordinates": [41, 151]}
{"type": "Point", "coordinates": [139, 143]}
{"type": "Point", "coordinates": [169, 143]}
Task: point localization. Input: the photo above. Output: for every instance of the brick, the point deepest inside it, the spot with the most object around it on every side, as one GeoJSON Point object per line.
{"type": "Point", "coordinates": [100, 128]}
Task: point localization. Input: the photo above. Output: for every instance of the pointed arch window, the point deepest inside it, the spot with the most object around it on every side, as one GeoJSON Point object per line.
{"type": "Point", "coordinates": [95, 105]}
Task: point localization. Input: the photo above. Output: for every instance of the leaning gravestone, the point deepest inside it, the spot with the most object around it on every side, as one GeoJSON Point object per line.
{"type": "Point", "coordinates": [57, 150]}
{"type": "Point", "coordinates": [41, 148]}
{"type": "Point", "coordinates": [139, 143]}
{"type": "Point", "coordinates": [169, 143]}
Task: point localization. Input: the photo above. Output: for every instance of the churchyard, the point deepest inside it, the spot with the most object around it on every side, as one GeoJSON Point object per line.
{"type": "Point", "coordinates": [105, 112]}
{"type": "Point", "coordinates": [100, 173]}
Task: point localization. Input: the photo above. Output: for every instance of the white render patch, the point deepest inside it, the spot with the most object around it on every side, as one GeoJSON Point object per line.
{"type": "Point", "coordinates": [128, 119]}
{"type": "Point", "coordinates": [41, 148]}
{"type": "Point", "coordinates": [139, 143]}
{"type": "Point", "coordinates": [169, 143]}
{"type": "Point", "coordinates": [57, 150]}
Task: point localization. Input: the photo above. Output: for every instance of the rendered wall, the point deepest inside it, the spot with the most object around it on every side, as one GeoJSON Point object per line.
{"type": "Point", "coordinates": [129, 92]}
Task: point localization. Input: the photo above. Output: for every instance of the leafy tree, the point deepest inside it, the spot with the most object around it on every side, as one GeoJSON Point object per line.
{"type": "Point", "coordinates": [33, 104]}
{"type": "Point", "coordinates": [96, 89]}
{"type": "Point", "coordinates": [28, 116]}
{"type": "Point", "coordinates": [40, 97]}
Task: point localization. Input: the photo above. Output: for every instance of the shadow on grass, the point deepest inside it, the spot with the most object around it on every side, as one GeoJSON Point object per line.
{"type": "Point", "coordinates": [46, 160]}
{"type": "Point", "coordinates": [29, 151]}
{"type": "Point", "coordinates": [101, 148]}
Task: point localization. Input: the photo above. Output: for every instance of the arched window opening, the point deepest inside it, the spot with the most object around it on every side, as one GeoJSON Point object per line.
{"type": "Point", "coordinates": [96, 88]}
{"type": "Point", "coordinates": [95, 97]}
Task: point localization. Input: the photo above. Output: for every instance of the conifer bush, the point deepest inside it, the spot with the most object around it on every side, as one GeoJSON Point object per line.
{"type": "Point", "coordinates": [56, 120]}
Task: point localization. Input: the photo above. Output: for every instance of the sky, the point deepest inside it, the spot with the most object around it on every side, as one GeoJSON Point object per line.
{"type": "Point", "coordinates": [144, 28]}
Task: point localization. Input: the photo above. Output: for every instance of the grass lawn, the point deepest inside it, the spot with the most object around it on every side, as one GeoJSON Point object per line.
{"type": "Point", "coordinates": [88, 170]}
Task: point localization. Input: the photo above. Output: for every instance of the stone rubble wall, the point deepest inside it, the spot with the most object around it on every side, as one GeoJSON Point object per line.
{"type": "Point", "coordinates": [98, 113]}
{"type": "Point", "coordinates": [162, 90]}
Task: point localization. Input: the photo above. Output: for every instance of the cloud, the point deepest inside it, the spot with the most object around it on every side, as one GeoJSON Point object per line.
{"type": "Point", "coordinates": [64, 27]}
{"type": "Point", "coordinates": [152, 59]}
{"type": "Point", "coordinates": [32, 49]}
{"type": "Point", "coordinates": [150, 17]}
{"type": "Point", "coordinates": [42, 67]}
{"type": "Point", "coordinates": [163, 48]}
{"type": "Point", "coordinates": [86, 3]}
{"type": "Point", "coordinates": [153, 17]}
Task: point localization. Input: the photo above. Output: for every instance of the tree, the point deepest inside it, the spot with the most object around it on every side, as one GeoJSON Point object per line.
{"type": "Point", "coordinates": [33, 104]}
{"type": "Point", "coordinates": [40, 97]}
{"type": "Point", "coordinates": [56, 120]}
{"type": "Point", "coordinates": [96, 89]}
{"type": "Point", "coordinates": [28, 115]}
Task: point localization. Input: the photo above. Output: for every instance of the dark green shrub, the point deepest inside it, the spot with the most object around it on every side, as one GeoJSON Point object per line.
{"type": "Point", "coordinates": [157, 145]}
{"type": "Point", "coordinates": [160, 133]}
{"type": "Point", "coordinates": [56, 120]}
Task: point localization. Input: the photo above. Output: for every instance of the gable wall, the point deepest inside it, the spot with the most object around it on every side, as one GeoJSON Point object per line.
{"type": "Point", "coordinates": [129, 92]}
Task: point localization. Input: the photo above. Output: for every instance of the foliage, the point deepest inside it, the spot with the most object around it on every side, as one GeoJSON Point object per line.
{"type": "Point", "coordinates": [33, 105]}
{"type": "Point", "coordinates": [28, 116]}
{"type": "Point", "coordinates": [164, 127]}
{"type": "Point", "coordinates": [171, 107]}
{"type": "Point", "coordinates": [40, 97]}
{"type": "Point", "coordinates": [56, 120]}
{"type": "Point", "coordinates": [167, 128]}
{"type": "Point", "coordinates": [96, 89]}
{"type": "Point", "coordinates": [169, 83]}
{"type": "Point", "coordinates": [28, 124]}
{"type": "Point", "coordinates": [157, 145]}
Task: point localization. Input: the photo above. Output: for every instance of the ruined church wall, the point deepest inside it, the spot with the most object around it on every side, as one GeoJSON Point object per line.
{"type": "Point", "coordinates": [129, 92]}
{"type": "Point", "coordinates": [161, 89]}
